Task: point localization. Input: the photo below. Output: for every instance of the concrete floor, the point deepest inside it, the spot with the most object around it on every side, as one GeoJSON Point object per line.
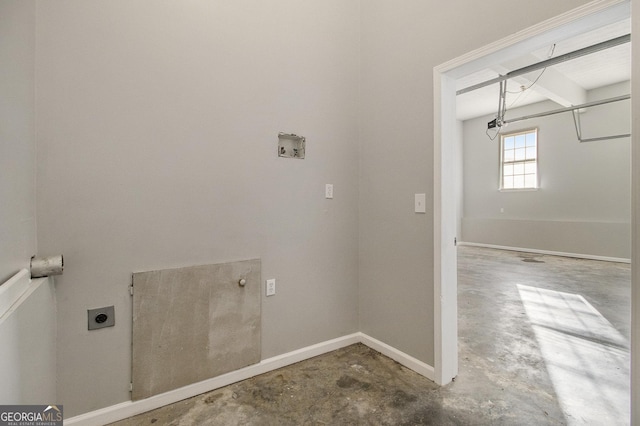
{"type": "Point", "coordinates": [543, 340]}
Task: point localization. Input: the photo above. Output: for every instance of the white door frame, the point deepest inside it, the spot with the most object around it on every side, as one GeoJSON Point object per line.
{"type": "Point", "coordinates": [591, 15]}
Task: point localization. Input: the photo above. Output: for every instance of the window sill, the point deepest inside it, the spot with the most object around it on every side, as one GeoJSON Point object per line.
{"type": "Point", "coordinates": [518, 189]}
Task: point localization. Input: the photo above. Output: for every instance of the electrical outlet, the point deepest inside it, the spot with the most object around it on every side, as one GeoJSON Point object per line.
{"type": "Point", "coordinates": [101, 317]}
{"type": "Point", "coordinates": [328, 191]}
{"type": "Point", "coordinates": [271, 287]}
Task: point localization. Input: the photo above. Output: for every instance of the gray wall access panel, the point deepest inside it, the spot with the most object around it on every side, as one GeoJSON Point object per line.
{"type": "Point", "coordinates": [194, 323]}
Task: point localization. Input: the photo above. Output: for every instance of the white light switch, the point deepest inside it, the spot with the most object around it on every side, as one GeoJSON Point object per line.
{"type": "Point", "coordinates": [328, 191]}
{"type": "Point", "coordinates": [421, 203]}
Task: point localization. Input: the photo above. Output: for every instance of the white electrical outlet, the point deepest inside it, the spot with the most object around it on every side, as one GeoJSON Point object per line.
{"type": "Point", "coordinates": [328, 191]}
{"type": "Point", "coordinates": [271, 287]}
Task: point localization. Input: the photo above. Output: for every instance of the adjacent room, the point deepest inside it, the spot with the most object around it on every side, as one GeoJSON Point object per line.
{"type": "Point", "coordinates": [546, 177]}
{"type": "Point", "coordinates": [554, 173]}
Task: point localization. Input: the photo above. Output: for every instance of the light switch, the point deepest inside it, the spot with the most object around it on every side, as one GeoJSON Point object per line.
{"type": "Point", "coordinates": [420, 203]}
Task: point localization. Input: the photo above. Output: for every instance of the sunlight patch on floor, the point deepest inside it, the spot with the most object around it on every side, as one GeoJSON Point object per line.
{"type": "Point", "coordinates": [586, 357]}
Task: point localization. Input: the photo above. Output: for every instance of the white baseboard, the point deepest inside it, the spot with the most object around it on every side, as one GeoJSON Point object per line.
{"type": "Point", "coordinates": [131, 408]}
{"type": "Point", "coordinates": [553, 253]}
{"type": "Point", "coordinates": [407, 360]}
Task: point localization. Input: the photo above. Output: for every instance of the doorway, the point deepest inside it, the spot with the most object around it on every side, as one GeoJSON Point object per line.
{"type": "Point", "coordinates": [579, 20]}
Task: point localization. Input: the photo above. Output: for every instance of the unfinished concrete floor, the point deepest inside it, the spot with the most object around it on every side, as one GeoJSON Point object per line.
{"type": "Point", "coordinates": [543, 341]}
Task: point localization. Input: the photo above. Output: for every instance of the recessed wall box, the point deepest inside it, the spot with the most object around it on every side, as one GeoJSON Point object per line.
{"type": "Point", "coordinates": [290, 145]}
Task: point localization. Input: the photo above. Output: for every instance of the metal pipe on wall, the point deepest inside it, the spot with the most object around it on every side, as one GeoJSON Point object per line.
{"type": "Point", "coordinates": [46, 266]}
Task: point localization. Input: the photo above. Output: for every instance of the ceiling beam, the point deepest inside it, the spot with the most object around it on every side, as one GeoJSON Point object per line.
{"type": "Point", "coordinates": [552, 84]}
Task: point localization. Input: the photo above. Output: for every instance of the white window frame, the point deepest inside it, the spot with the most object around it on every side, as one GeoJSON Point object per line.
{"type": "Point", "coordinates": [514, 162]}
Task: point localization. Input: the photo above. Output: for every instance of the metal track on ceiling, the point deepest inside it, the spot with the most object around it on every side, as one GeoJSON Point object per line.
{"type": "Point", "coordinates": [550, 62]}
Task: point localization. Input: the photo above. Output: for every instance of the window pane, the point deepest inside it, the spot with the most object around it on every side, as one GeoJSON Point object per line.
{"type": "Point", "coordinates": [518, 169]}
{"type": "Point", "coordinates": [530, 181]}
{"type": "Point", "coordinates": [508, 170]}
{"type": "Point", "coordinates": [508, 142]}
{"type": "Point", "coordinates": [508, 182]}
{"type": "Point", "coordinates": [518, 181]}
{"type": "Point", "coordinates": [530, 168]}
{"type": "Point", "coordinates": [519, 160]}
{"type": "Point", "coordinates": [531, 153]}
{"type": "Point", "coordinates": [509, 155]}
{"type": "Point", "coordinates": [531, 139]}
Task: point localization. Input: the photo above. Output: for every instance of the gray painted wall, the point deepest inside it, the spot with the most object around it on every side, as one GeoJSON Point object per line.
{"type": "Point", "coordinates": [17, 136]}
{"type": "Point", "coordinates": [401, 44]}
{"type": "Point", "coordinates": [157, 131]}
{"type": "Point", "coordinates": [583, 204]}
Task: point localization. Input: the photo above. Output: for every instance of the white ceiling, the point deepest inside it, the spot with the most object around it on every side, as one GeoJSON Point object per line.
{"type": "Point", "coordinates": [565, 83]}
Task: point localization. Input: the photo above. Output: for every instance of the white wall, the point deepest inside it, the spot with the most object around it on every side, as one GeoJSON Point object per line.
{"type": "Point", "coordinates": [583, 204]}
{"type": "Point", "coordinates": [401, 44]}
{"type": "Point", "coordinates": [157, 135]}
{"type": "Point", "coordinates": [459, 178]}
{"type": "Point", "coordinates": [17, 136]}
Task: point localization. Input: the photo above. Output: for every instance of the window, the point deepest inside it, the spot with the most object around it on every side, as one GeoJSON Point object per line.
{"type": "Point", "coordinates": [519, 160]}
